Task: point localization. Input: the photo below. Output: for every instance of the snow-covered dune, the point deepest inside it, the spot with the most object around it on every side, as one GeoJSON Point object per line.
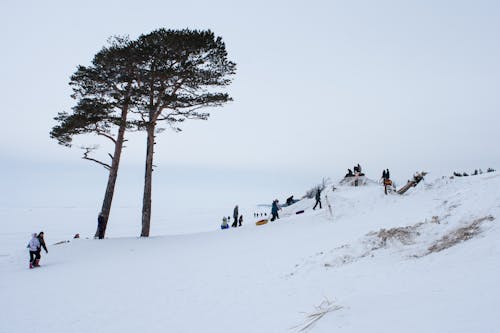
{"type": "Point", "coordinates": [427, 261]}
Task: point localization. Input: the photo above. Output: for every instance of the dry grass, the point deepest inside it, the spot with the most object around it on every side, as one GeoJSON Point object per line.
{"type": "Point", "coordinates": [405, 235]}
{"type": "Point", "coordinates": [320, 311]}
{"type": "Point", "coordinates": [460, 235]}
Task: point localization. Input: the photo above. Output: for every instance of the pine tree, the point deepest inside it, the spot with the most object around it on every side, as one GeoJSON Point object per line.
{"type": "Point", "coordinates": [180, 71]}
{"type": "Point", "coordinates": [103, 92]}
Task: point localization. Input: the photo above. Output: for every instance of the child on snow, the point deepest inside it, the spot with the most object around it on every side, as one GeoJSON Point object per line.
{"type": "Point", "coordinates": [224, 224]}
{"type": "Point", "coordinates": [33, 246]}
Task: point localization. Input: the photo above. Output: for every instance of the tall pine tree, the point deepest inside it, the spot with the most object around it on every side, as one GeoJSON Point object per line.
{"type": "Point", "coordinates": [181, 72]}
{"type": "Point", "coordinates": [104, 93]}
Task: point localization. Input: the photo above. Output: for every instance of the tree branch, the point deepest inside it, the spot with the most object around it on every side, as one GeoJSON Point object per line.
{"type": "Point", "coordinates": [88, 150]}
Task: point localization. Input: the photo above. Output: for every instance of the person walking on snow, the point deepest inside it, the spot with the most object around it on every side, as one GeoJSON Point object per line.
{"type": "Point", "coordinates": [42, 244]}
{"type": "Point", "coordinates": [318, 198]}
{"type": "Point", "coordinates": [235, 216]}
{"type": "Point", "coordinates": [240, 221]}
{"type": "Point", "coordinates": [33, 246]}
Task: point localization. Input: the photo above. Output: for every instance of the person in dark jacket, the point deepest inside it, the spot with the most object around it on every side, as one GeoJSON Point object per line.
{"type": "Point", "coordinates": [240, 221]}
{"type": "Point", "coordinates": [39, 250]}
{"type": "Point", "coordinates": [101, 226]}
{"type": "Point", "coordinates": [318, 198]}
{"type": "Point", "coordinates": [274, 210]}
{"type": "Point", "coordinates": [235, 217]}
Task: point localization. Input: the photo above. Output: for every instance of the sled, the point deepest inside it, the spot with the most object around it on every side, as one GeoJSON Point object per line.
{"type": "Point", "coordinates": [261, 222]}
{"type": "Point", "coordinates": [412, 183]}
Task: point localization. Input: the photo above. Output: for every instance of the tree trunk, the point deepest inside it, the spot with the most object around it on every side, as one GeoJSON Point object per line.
{"type": "Point", "coordinates": [113, 174]}
{"type": "Point", "coordinates": [146, 202]}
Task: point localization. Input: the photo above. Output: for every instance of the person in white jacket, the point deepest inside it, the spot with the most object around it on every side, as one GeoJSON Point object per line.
{"type": "Point", "coordinates": [33, 246]}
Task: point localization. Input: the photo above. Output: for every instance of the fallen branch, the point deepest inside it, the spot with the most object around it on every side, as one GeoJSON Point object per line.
{"type": "Point", "coordinates": [320, 311]}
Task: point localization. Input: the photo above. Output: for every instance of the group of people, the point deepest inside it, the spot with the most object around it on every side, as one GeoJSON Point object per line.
{"type": "Point", "coordinates": [238, 220]}
{"type": "Point", "coordinates": [386, 179]}
{"type": "Point", "coordinates": [35, 246]}
{"type": "Point", "coordinates": [476, 172]}
{"type": "Point", "coordinates": [357, 171]}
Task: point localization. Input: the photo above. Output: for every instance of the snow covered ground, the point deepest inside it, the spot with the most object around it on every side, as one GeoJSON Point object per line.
{"type": "Point", "coordinates": [427, 261]}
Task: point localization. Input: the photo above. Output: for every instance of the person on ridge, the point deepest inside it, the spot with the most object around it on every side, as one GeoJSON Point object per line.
{"type": "Point", "coordinates": [235, 217]}
{"type": "Point", "coordinates": [318, 198]}
{"type": "Point", "coordinates": [240, 221]}
{"type": "Point", "coordinates": [349, 173]}
{"type": "Point", "coordinates": [33, 246]}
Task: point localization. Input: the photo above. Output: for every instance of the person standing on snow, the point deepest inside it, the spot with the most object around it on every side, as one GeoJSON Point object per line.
{"type": "Point", "coordinates": [240, 221]}
{"type": "Point", "coordinates": [33, 246]}
{"type": "Point", "coordinates": [235, 216]}
{"type": "Point", "coordinates": [274, 210]}
{"type": "Point", "coordinates": [42, 244]}
{"type": "Point", "coordinates": [318, 198]}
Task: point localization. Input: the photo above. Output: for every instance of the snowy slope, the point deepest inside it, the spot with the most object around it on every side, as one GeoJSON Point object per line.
{"type": "Point", "coordinates": [426, 261]}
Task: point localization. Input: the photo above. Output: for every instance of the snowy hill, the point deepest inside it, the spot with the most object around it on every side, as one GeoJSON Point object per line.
{"type": "Point", "coordinates": [427, 261]}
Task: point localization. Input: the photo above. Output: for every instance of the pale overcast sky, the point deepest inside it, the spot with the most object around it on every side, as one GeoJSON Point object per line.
{"type": "Point", "coordinates": [320, 85]}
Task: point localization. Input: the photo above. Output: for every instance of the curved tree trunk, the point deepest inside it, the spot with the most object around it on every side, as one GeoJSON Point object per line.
{"type": "Point", "coordinates": [113, 174]}
{"type": "Point", "coordinates": [146, 202]}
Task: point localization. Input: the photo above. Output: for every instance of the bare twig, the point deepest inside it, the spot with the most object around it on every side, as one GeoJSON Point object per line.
{"type": "Point", "coordinates": [320, 311]}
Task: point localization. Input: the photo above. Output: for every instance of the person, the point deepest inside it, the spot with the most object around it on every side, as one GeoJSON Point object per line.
{"type": "Point", "coordinates": [274, 210]}
{"type": "Point", "coordinates": [101, 226]}
{"type": "Point", "coordinates": [384, 175]}
{"type": "Point", "coordinates": [349, 173]}
{"type": "Point", "coordinates": [387, 184]}
{"type": "Point", "coordinates": [42, 245]}
{"type": "Point", "coordinates": [387, 174]}
{"type": "Point", "coordinates": [235, 217]}
{"type": "Point", "coordinates": [318, 198]}
{"type": "Point", "coordinates": [224, 224]}
{"type": "Point", "coordinates": [33, 246]}
{"type": "Point", "coordinates": [240, 221]}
